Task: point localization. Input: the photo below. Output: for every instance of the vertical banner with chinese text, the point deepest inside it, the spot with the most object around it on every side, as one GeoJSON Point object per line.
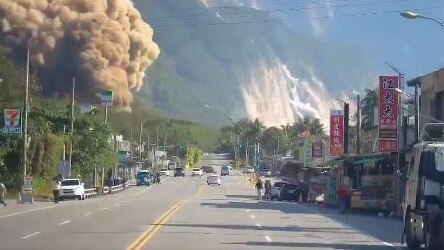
{"type": "Point", "coordinates": [337, 132]}
{"type": "Point", "coordinates": [388, 113]}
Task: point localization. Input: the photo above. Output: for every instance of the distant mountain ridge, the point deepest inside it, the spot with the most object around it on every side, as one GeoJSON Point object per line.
{"type": "Point", "coordinates": [213, 72]}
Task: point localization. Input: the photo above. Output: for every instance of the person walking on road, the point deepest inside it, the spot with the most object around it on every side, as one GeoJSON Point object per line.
{"type": "Point", "coordinates": [56, 190]}
{"type": "Point", "coordinates": [2, 194]}
{"type": "Point", "coordinates": [158, 178]}
{"type": "Point", "coordinates": [342, 196]}
{"type": "Point", "coordinates": [268, 189]}
{"type": "Point", "coordinates": [259, 187]}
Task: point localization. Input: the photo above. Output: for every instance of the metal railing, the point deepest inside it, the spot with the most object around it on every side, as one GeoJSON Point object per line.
{"type": "Point", "coordinates": [90, 192]}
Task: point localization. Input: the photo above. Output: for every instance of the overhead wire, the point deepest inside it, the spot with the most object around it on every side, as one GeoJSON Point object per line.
{"type": "Point", "coordinates": [254, 11]}
{"type": "Point", "coordinates": [313, 18]}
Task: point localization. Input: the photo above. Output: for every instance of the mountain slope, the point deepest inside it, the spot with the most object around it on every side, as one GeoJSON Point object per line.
{"type": "Point", "coordinates": [215, 64]}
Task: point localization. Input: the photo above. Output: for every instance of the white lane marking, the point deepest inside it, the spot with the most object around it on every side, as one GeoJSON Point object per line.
{"type": "Point", "coordinates": [117, 205]}
{"type": "Point", "coordinates": [258, 225]}
{"type": "Point", "coordinates": [252, 216]}
{"type": "Point", "coordinates": [105, 208]}
{"type": "Point", "coordinates": [268, 238]}
{"type": "Point", "coordinates": [387, 244]}
{"type": "Point", "coordinates": [87, 214]}
{"type": "Point", "coordinates": [30, 235]}
{"type": "Point", "coordinates": [66, 221]}
{"type": "Point", "coordinates": [29, 211]}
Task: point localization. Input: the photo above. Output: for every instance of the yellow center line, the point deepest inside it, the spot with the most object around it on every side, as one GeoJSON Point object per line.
{"type": "Point", "coordinates": [150, 232]}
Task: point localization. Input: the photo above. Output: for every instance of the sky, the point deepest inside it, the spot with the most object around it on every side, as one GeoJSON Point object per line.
{"type": "Point", "coordinates": [414, 46]}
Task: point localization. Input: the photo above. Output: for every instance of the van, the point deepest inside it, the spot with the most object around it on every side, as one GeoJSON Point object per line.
{"type": "Point", "coordinates": [226, 170]}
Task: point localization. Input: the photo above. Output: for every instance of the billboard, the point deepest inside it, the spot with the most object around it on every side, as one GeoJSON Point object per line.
{"type": "Point", "coordinates": [317, 150]}
{"type": "Point", "coordinates": [337, 132]}
{"type": "Point", "coordinates": [12, 121]}
{"type": "Point", "coordinates": [388, 113]}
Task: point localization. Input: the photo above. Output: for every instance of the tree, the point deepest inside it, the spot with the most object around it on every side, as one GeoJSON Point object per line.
{"type": "Point", "coordinates": [313, 125]}
{"type": "Point", "coordinates": [270, 139]}
{"type": "Point", "coordinates": [368, 105]}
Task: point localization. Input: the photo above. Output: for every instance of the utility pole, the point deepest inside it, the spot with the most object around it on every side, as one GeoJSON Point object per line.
{"type": "Point", "coordinates": [140, 140]}
{"type": "Point", "coordinates": [71, 130]}
{"type": "Point", "coordinates": [157, 138]}
{"type": "Point", "coordinates": [417, 113]}
{"type": "Point", "coordinates": [148, 143]}
{"type": "Point", "coordinates": [346, 126]}
{"type": "Point", "coordinates": [25, 118]}
{"type": "Point", "coordinates": [358, 125]}
{"type": "Point", "coordinates": [246, 152]}
{"type": "Point", "coordinates": [64, 144]}
{"type": "Point", "coordinates": [277, 145]}
{"type": "Point", "coordinates": [164, 142]}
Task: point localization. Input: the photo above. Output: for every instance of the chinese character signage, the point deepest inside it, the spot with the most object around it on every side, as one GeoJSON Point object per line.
{"type": "Point", "coordinates": [317, 150]}
{"type": "Point", "coordinates": [337, 132]}
{"type": "Point", "coordinates": [308, 160]}
{"type": "Point", "coordinates": [388, 113]}
{"type": "Point", "coordinates": [12, 121]}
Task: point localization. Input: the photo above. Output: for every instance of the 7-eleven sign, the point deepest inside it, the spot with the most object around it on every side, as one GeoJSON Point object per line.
{"type": "Point", "coordinates": [12, 121]}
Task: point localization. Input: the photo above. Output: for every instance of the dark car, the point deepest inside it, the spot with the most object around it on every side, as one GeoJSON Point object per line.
{"type": "Point", "coordinates": [179, 172]}
{"type": "Point", "coordinates": [208, 170]}
{"type": "Point", "coordinates": [289, 192]}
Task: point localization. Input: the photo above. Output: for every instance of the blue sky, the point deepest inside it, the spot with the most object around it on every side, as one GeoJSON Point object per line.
{"type": "Point", "coordinates": [416, 47]}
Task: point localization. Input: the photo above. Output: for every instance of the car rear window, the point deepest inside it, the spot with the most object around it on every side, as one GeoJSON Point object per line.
{"type": "Point", "coordinates": [279, 184]}
{"type": "Point", "coordinates": [291, 186]}
{"type": "Point", "coordinates": [70, 182]}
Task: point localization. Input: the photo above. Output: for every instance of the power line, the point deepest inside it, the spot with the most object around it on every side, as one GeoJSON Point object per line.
{"type": "Point", "coordinates": [314, 18]}
{"type": "Point", "coordinates": [348, 5]}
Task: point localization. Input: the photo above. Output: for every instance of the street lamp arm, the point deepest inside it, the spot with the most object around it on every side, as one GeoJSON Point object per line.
{"type": "Point", "coordinates": [433, 19]}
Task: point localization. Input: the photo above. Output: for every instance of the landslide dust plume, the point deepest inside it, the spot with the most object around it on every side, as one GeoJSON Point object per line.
{"type": "Point", "coordinates": [104, 43]}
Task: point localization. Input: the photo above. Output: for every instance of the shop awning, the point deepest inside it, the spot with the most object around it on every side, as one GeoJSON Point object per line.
{"type": "Point", "coordinates": [369, 162]}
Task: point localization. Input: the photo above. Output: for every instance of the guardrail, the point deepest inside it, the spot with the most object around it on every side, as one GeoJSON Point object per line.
{"type": "Point", "coordinates": [90, 192]}
{"type": "Point", "coordinates": [115, 189]}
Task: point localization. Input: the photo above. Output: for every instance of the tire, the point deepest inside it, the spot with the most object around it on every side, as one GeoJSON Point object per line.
{"type": "Point", "coordinates": [79, 197]}
{"type": "Point", "coordinates": [412, 243]}
{"type": "Point", "coordinates": [433, 231]}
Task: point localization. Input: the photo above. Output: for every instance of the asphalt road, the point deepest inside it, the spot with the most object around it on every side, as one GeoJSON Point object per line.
{"type": "Point", "coordinates": [185, 213]}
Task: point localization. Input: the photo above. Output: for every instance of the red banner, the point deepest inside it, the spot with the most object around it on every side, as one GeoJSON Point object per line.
{"type": "Point", "coordinates": [337, 132]}
{"type": "Point", "coordinates": [388, 113]}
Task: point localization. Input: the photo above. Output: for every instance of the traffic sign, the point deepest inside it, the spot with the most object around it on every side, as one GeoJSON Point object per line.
{"type": "Point", "coordinates": [106, 97]}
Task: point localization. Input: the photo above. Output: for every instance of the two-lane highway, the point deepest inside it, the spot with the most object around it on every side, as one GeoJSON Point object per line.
{"type": "Point", "coordinates": [185, 213]}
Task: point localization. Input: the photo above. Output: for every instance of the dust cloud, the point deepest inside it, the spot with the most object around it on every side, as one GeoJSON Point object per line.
{"type": "Point", "coordinates": [104, 43]}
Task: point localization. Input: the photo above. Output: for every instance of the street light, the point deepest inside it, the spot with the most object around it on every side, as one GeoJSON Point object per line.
{"type": "Point", "coordinates": [413, 15]}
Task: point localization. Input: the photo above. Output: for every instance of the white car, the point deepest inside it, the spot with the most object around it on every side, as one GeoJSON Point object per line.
{"type": "Point", "coordinates": [213, 179]}
{"type": "Point", "coordinates": [197, 172]}
{"type": "Point", "coordinates": [164, 171]}
{"type": "Point", "coordinates": [276, 189]}
{"type": "Point", "coordinates": [72, 188]}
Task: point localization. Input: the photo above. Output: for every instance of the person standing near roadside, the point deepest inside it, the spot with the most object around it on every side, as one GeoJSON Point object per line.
{"type": "Point", "coordinates": [56, 189]}
{"type": "Point", "coordinates": [343, 196]}
{"type": "Point", "coordinates": [259, 187]}
{"type": "Point", "coordinates": [2, 194]}
{"type": "Point", "coordinates": [268, 189]}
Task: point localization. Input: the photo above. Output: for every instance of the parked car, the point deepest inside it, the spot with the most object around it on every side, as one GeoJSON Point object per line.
{"type": "Point", "coordinates": [196, 172]}
{"type": "Point", "coordinates": [144, 178]}
{"type": "Point", "coordinates": [289, 192]}
{"type": "Point", "coordinates": [248, 170]}
{"type": "Point", "coordinates": [265, 172]}
{"type": "Point", "coordinates": [208, 169]}
{"type": "Point", "coordinates": [213, 179]}
{"type": "Point", "coordinates": [72, 188]}
{"type": "Point", "coordinates": [179, 172]}
{"type": "Point", "coordinates": [165, 171]}
{"type": "Point", "coordinates": [276, 189]}
{"type": "Point", "coordinates": [226, 170]}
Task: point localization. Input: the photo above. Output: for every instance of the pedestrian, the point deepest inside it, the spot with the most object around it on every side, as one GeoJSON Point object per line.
{"type": "Point", "coordinates": [2, 194]}
{"type": "Point", "coordinates": [56, 190]}
{"type": "Point", "coordinates": [268, 189]}
{"type": "Point", "coordinates": [305, 190]}
{"type": "Point", "coordinates": [259, 187]}
{"type": "Point", "coordinates": [158, 178]}
{"type": "Point", "coordinates": [342, 196]}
